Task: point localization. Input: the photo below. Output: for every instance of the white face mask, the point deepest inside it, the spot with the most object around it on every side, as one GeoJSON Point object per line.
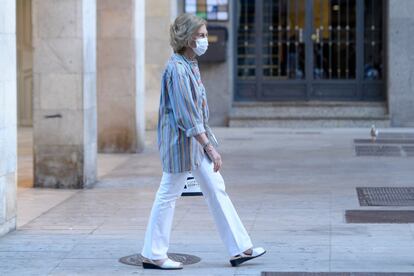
{"type": "Point", "coordinates": [201, 46]}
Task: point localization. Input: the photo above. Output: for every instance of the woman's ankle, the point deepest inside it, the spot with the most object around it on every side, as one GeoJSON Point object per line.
{"type": "Point", "coordinates": [160, 261]}
{"type": "Point", "coordinates": [249, 251]}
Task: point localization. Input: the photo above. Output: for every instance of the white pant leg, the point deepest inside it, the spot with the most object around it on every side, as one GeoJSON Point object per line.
{"type": "Point", "coordinates": [157, 235]}
{"type": "Point", "coordinates": [229, 225]}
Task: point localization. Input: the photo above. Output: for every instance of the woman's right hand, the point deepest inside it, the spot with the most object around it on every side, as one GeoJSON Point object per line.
{"type": "Point", "coordinates": [214, 156]}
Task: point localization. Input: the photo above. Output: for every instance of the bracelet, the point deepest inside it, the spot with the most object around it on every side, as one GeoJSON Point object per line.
{"type": "Point", "coordinates": [206, 144]}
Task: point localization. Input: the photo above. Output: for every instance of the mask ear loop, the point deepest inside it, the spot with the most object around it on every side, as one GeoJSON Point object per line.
{"type": "Point", "coordinates": [188, 42]}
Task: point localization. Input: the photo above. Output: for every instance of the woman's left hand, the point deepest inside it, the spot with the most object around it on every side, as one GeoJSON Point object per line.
{"type": "Point", "coordinates": [215, 157]}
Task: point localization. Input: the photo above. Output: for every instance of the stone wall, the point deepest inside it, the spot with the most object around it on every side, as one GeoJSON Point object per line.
{"type": "Point", "coordinates": [8, 112]}
{"type": "Point", "coordinates": [218, 81]}
{"type": "Point", "coordinates": [401, 62]}
{"type": "Point", "coordinates": [64, 126]}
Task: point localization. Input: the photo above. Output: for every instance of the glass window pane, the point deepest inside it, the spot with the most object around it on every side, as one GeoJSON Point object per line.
{"type": "Point", "coordinates": [246, 51]}
{"type": "Point", "coordinates": [334, 39]}
{"type": "Point", "coordinates": [373, 41]}
{"type": "Point", "coordinates": [283, 42]}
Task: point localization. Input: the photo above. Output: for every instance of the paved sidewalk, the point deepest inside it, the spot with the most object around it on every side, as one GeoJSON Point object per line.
{"type": "Point", "coordinates": [290, 187]}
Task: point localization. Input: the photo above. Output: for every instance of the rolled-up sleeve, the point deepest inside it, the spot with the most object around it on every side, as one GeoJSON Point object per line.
{"type": "Point", "coordinates": [188, 116]}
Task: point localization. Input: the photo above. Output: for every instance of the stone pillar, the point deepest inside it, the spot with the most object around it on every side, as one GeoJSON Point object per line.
{"type": "Point", "coordinates": [159, 15]}
{"type": "Point", "coordinates": [139, 32]}
{"type": "Point", "coordinates": [120, 75]}
{"type": "Point", "coordinates": [8, 114]}
{"type": "Point", "coordinates": [401, 62]}
{"type": "Point", "coordinates": [64, 127]}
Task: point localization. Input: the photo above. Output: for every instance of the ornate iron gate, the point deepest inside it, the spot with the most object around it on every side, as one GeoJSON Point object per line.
{"type": "Point", "coordinates": [309, 50]}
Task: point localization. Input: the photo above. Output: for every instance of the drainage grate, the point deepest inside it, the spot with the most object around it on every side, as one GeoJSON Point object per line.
{"type": "Point", "coordinates": [384, 141]}
{"type": "Point", "coordinates": [409, 151]}
{"type": "Point", "coordinates": [395, 135]}
{"type": "Point", "coordinates": [136, 259]}
{"type": "Point", "coordinates": [265, 273]}
{"type": "Point", "coordinates": [386, 196]}
{"type": "Point", "coordinates": [377, 150]}
{"type": "Point", "coordinates": [379, 216]}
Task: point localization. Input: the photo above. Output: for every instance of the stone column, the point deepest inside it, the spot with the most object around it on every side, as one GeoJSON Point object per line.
{"type": "Point", "coordinates": [159, 15]}
{"type": "Point", "coordinates": [120, 75]}
{"type": "Point", "coordinates": [64, 127]}
{"type": "Point", "coordinates": [140, 37]}
{"type": "Point", "coordinates": [401, 62]}
{"type": "Point", "coordinates": [8, 114]}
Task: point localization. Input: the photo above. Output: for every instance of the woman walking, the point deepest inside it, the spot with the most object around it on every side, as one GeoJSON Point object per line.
{"type": "Point", "coordinates": [186, 144]}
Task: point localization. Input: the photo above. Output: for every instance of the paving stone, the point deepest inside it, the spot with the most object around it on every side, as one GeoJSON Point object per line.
{"type": "Point", "coordinates": [291, 195]}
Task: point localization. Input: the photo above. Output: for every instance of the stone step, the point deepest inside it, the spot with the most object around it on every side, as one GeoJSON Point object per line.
{"type": "Point", "coordinates": [309, 114]}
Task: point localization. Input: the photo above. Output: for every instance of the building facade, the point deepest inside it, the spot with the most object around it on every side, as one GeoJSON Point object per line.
{"type": "Point", "coordinates": [313, 63]}
{"type": "Point", "coordinates": [85, 74]}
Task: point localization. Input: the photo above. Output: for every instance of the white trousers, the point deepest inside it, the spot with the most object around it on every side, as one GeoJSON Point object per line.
{"type": "Point", "coordinates": [230, 227]}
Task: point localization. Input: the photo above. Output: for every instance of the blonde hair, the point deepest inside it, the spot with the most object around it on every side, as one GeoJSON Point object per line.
{"type": "Point", "coordinates": [182, 29]}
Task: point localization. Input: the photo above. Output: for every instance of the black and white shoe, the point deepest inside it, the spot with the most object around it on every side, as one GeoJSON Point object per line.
{"type": "Point", "coordinates": [168, 264]}
{"type": "Point", "coordinates": [243, 257]}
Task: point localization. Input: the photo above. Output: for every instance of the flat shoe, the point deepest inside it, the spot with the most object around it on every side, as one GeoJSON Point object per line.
{"type": "Point", "coordinates": [168, 264]}
{"type": "Point", "coordinates": [241, 258]}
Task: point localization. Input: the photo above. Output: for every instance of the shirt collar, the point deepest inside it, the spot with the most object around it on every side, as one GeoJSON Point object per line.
{"type": "Point", "coordinates": [187, 60]}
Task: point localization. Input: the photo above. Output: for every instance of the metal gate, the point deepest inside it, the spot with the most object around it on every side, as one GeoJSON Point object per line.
{"type": "Point", "coordinates": [309, 50]}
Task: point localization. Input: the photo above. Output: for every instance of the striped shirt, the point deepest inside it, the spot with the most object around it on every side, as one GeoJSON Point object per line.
{"type": "Point", "coordinates": [182, 114]}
